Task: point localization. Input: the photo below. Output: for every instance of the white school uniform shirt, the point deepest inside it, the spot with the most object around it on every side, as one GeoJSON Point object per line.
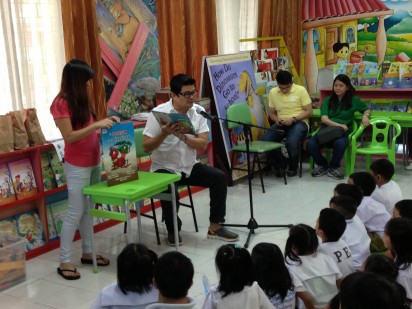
{"type": "Point", "coordinates": [318, 274]}
{"type": "Point", "coordinates": [373, 214]}
{"type": "Point", "coordinates": [250, 297]}
{"type": "Point", "coordinates": [405, 279]}
{"type": "Point", "coordinates": [173, 154]}
{"type": "Point", "coordinates": [388, 194]}
{"type": "Point", "coordinates": [358, 241]}
{"type": "Point", "coordinates": [340, 252]}
{"type": "Point", "coordinates": [189, 305]}
{"type": "Point", "coordinates": [111, 297]}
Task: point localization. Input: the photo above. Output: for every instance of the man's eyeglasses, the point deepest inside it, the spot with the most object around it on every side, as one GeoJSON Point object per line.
{"type": "Point", "coordinates": [188, 94]}
{"type": "Point", "coordinates": [284, 87]}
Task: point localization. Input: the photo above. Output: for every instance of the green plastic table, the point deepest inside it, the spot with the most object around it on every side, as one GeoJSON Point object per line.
{"type": "Point", "coordinates": [148, 185]}
{"type": "Point", "coordinates": [404, 120]}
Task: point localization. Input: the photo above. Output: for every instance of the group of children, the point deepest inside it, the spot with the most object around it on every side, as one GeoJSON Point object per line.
{"type": "Point", "coordinates": [329, 266]}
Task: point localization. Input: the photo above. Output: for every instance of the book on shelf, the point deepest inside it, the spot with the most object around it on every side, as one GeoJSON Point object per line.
{"type": "Point", "coordinates": [119, 153]}
{"type": "Point", "coordinates": [51, 228]}
{"type": "Point", "coordinates": [58, 212]}
{"type": "Point", "coordinates": [269, 53]}
{"type": "Point", "coordinates": [47, 173]}
{"type": "Point", "coordinates": [8, 226]}
{"type": "Point", "coordinates": [57, 168]}
{"type": "Point", "coordinates": [283, 63]}
{"type": "Point", "coordinates": [22, 176]}
{"type": "Point", "coordinates": [30, 227]}
{"type": "Point", "coordinates": [183, 121]}
{"type": "Point", "coordinates": [7, 194]}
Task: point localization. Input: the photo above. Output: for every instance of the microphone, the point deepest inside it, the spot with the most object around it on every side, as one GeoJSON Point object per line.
{"type": "Point", "coordinates": [204, 114]}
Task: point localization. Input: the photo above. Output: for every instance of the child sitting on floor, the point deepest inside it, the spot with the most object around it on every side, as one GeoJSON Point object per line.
{"type": "Point", "coordinates": [372, 213]}
{"type": "Point", "coordinates": [173, 277]}
{"type": "Point", "coordinates": [134, 286]}
{"type": "Point", "coordinates": [318, 272]}
{"type": "Point", "coordinates": [330, 227]}
{"type": "Point", "coordinates": [272, 275]}
{"type": "Point", "coordinates": [388, 191]}
{"type": "Point", "coordinates": [398, 239]}
{"type": "Point", "coordinates": [236, 288]}
{"type": "Point", "coordinates": [355, 235]}
{"type": "Point", "coordinates": [403, 209]}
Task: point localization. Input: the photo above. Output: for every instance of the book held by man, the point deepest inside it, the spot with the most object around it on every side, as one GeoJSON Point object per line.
{"type": "Point", "coordinates": [183, 121]}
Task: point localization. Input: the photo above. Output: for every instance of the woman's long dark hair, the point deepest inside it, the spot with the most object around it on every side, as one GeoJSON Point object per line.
{"type": "Point", "coordinates": [399, 231]}
{"type": "Point", "coordinates": [270, 270]}
{"type": "Point", "coordinates": [346, 101]}
{"type": "Point", "coordinates": [304, 241]}
{"type": "Point", "coordinates": [73, 88]}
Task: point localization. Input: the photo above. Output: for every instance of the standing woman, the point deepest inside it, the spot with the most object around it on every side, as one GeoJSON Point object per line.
{"type": "Point", "coordinates": [77, 123]}
{"type": "Point", "coordinates": [337, 110]}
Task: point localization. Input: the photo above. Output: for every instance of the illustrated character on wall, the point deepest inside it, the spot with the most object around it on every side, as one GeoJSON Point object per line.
{"type": "Point", "coordinates": [126, 26]}
{"type": "Point", "coordinates": [342, 52]}
{"type": "Point", "coordinates": [17, 183]}
{"type": "Point", "coordinates": [252, 99]}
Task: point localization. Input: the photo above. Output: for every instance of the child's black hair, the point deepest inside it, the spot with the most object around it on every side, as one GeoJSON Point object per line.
{"type": "Point", "coordinates": [351, 191]}
{"type": "Point", "coordinates": [173, 275]}
{"type": "Point", "coordinates": [345, 205]}
{"type": "Point", "coordinates": [332, 223]}
{"type": "Point", "coordinates": [234, 265]}
{"type": "Point", "coordinates": [382, 265]}
{"type": "Point", "coordinates": [270, 270]}
{"type": "Point", "coordinates": [135, 266]}
{"type": "Point", "coordinates": [383, 167]}
{"type": "Point", "coordinates": [399, 231]}
{"type": "Point", "coordinates": [304, 241]}
{"type": "Point", "coordinates": [405, 208]}
{"type": "Point", "coordinates": [364, 181]}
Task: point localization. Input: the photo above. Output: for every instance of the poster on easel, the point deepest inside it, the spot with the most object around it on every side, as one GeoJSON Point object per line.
{"type": "Point", "coordinates": [233, 81]}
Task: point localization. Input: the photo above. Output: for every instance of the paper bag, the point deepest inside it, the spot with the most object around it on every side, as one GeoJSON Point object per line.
{"type": "Point", "coordinates": [6, 134]}
{"type": "Point", "coordinates": [21, 139]}
{"type": "Point", "coordinates": [33, 128]}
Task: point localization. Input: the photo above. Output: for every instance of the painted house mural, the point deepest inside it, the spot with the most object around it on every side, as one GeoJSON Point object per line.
{"type": "Point", "coordinates": [352, 31]}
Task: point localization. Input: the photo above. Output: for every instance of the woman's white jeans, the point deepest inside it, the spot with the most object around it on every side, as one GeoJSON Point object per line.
{"type": "Point", "coordinates": [77, 215]}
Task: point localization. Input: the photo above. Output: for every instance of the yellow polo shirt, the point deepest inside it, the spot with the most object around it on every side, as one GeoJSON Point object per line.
{"type": "Point", "coordinates": [290, 104]}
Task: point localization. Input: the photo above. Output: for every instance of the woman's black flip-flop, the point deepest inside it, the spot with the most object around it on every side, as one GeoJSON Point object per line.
{"type": "Point", "coordinates": [101, 261]}
{"type": "Point", "coordinates": [60, 272]}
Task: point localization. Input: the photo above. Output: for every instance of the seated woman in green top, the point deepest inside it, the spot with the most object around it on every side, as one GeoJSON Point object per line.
{"type": "Point", "coordinates": [337, 110]}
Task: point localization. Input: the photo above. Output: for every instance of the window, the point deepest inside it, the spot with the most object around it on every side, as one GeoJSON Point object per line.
{"type": "Point", "coordinates": [350, 35]}
{"type": "Point", "coordinates": [316, 40]}
{"type": "Point", "coordinates": [31, 57]}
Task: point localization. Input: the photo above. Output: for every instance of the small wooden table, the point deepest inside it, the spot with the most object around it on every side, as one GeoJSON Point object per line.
{"type": "Point", "coordinates": [148, 185]}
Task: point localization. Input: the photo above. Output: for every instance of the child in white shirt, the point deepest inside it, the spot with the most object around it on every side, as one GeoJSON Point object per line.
{"type": "Point", "coordinates": [355, 235]}
{"type": "Point", "coordinates": [388, 191]}
{"type": "Point", "coordinates": [398, 239]}
{"type": "Point", "coordinates": [273, 277]}
{"type": "Point", "coordinates": [319, 274]}
{"type": "Point", "coordinates": [330, 227]}
{"type": "Point", "coordinates": [236, 288]}
{"type": "Point", "coordinates": [403, 209]}
{"type": "Point", "coordinates": [372, 213]}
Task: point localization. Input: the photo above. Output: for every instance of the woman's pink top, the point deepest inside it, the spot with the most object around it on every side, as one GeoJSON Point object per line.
{"type": "Point", "coordinates": [85, 152]}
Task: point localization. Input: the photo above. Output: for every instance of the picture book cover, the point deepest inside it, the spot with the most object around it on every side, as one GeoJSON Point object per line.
{"type": "Point", "coordinates": [368, 73]}
{"type": "Point", "coordinates": [283, 63]}
{"type": "Point", "coordinates": [183, 121]}
{"type": "Point", "coordinates": [8, 226]}
{"type": "Point", "coordinates": [51, 228]}
{"type": "Point", "coordinates": [22, 176]}
{"type": "Point", "coordinates": [30, 227]}
{"type": "Point", "coordinates": [57, 168]}
{"type": "Point", "coordinates": [264, 65]}
{"type": "Point", "coordinates": [269, 53]}
{"type": "Point", "coordinates": [58, 211]}
{"type": "Point", "coordinates": [7, 194]}
{"type": "Point", "coordinates": [119, 153]}
{"type": "Point", "coordinates": [405, 75]}
{"type": "Point", "coordinates": [392, 77]}
{"type": "Point", "coordinates": [49, 182]}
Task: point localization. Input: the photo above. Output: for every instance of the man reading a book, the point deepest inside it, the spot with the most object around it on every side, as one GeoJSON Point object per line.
{"type": "Point", "coordinates": [175, 152]}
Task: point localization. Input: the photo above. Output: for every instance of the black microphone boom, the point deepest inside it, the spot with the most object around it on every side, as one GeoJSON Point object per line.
{"type": "Point", "coordinates": [204, 114]}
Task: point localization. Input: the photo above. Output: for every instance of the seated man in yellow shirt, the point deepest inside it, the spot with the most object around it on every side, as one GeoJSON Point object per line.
{"type": "Point", "coordinates": [290, 106]}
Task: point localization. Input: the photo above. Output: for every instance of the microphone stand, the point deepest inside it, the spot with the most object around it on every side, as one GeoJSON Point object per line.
{"type": "Point", "coordinates": [252, 225]}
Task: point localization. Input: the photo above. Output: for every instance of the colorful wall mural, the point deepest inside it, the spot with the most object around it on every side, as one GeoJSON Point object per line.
{"type": "Point", "coordinates": [352, 31]}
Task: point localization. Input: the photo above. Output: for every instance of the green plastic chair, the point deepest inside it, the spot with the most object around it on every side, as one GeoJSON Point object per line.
{"type": "Point", "coordinates": [138, 138]}
{"type": "Point", "coordinates": [346, 156]}
{"type": "Point", "coordinates": [240, 112]}
{"type": "Point", "coordinates": [383, 141]}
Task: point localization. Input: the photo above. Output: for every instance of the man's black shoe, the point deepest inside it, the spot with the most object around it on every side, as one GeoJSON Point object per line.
{"type": "Point", "coordinates": [171, 239]}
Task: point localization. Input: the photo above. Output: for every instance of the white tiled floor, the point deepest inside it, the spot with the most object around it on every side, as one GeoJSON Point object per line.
{"type": "Point", "coordinates": [298, 202]}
